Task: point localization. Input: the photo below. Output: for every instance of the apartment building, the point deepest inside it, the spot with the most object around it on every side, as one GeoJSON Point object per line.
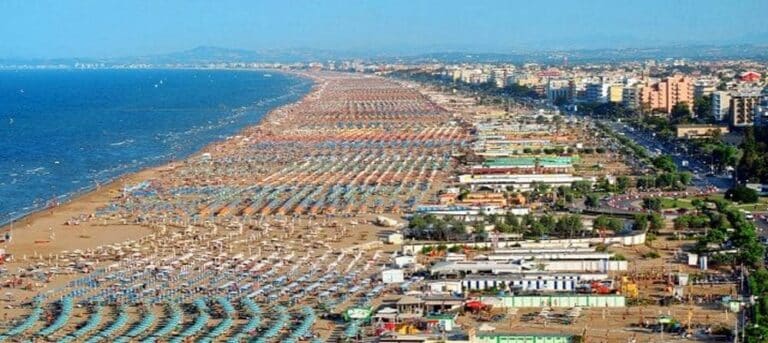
{"type": "Point", "coordinates": [721, 105]}
{"type": "Point", "coordinates": [703, 87]}
{"type": "Point", "coordinates": [615, 93]}
{"type": "Point", "coordinates": [596, 92]}
{"type": "Point", "coordinates": [630, 96]}
{"type": "Point", "coordinates": [558, 89]}
{"type": "Point", "coordinates": [662, 96]}
{"type": "Point", "coordinates": [743, 107]}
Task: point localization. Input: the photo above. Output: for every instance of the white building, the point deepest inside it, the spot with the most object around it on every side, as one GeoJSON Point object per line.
{"type": "Point", "coordinates": [466, 213]}
{"type": "Point", "coordinates": [531, 282]}
{"type": "Point", "coordinates": [558, 89]}
{"type": "Point", "coordinates": [721, 105]}
{"type": "Point", "coordinates": [514, 267]}
{"type": "Point", "coordinates": [520, 182]}
{"type": "Point", "coordinates": [596, 92]}
{"type": "Point", "coordinates": [395, 238]}
{"type": "Point", "coordinates": [446, 286]}
{"type": "Point", "coordinates": [389, 276]}
{"type": "Point", "coordinates": [404, 260]}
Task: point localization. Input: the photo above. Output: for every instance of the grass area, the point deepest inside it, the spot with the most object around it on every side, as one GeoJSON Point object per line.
{"type": "Point", "coordinates": [761, 205]}
{"type": "Point", "coordinates": [676, 203]}
{"type": "Point", "coordinates": [667, 203]}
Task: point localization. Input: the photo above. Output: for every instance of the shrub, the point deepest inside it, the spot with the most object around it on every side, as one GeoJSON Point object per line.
{"type": "Point", "coordinates": [742, 194]}
{"type": "Point", "coordinates": [653, 204]}
{"type": "Point", "coordinates": [652, 254]}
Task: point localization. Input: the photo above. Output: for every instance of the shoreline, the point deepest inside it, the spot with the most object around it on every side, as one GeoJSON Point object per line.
{"type": "Point", "coordinates": [115, 183]}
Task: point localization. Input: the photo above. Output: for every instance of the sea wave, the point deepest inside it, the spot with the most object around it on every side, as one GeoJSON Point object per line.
{"type": "Point", "coordinates": [94, 147]}
{"type": "Point", "coordinates": [125, 142]}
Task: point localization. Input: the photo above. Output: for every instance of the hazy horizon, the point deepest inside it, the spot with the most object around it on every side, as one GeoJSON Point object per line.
{"type": "Point", "coordinates": [110, 29]}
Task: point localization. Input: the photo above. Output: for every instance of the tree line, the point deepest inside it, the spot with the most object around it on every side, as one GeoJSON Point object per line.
{"type": "Point", "coordinates": [753, 166]}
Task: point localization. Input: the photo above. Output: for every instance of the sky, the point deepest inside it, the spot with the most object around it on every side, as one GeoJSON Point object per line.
{"type": "Point", "coordinates": [110, 28]}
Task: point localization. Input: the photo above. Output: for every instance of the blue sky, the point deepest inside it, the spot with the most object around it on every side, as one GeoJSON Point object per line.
{"type": "Point", "coordinates": [108, 28]}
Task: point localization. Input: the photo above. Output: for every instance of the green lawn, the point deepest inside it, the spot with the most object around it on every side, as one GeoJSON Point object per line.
{"type": "Point", "coordinates": [685, 203]}
{"type": "Point", "coordinates": [676, 203]}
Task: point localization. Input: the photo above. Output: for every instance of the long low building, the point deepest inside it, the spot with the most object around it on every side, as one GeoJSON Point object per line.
{"type": "Point", "coordinates": [539, 248]}
{"type": "Point", "coordinates": [537, 255]}
{"type": "Point", "coordinates": [506, 267]}
{"type": "Point", "coordinates": [498, 337]}
{"type": "Point", "coordinates": [632, 239]}
{"type": "Point", "coordinates": [545, 282]}
{"type": "Point", "coordinates": [518, 181]}
{"type": "Point", "coordinates": [576, 300]}
{"type": "Point", "coordinates": [468, 213]}
{"type": "Point", "coordinates": [482, 337]}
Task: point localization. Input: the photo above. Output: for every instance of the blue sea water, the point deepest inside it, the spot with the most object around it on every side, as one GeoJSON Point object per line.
{"type": "Point", "coordinates": [61, 131]}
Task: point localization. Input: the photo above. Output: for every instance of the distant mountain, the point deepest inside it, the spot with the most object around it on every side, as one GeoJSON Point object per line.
{"type": "Point", "coordinates": [693, 52]}
{"type": "Point", "coordinates": [208, 54]}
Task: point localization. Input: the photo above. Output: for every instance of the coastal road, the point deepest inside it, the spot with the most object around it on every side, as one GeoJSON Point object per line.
{"type": "Point", "coordinates": [655, 145]}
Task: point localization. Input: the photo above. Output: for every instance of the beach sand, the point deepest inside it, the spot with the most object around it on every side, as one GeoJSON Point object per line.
{"type": "Point", "coordinates": [32, 234]}
{"type": "Point", "coordinates": [391, 172]}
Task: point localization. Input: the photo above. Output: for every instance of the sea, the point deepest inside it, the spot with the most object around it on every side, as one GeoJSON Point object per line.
{"type": "Point", "coordinates": [62, 132]}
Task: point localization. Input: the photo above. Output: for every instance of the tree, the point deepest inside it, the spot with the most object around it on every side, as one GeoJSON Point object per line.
{"type": "Point", "coordinates": [725, 155]}
{"type": "Point", "coordinates": [742, 194]}
{"type": "Point", "coordinates": [481, 236]}
{"type": "Point", "coordinates": [646, 182]}
{"type": "Point", "coordinates": [429, 227]}
{"type": "Point", "coordinates": [680, 113]}
{"type": "Point", "coordinates": [536, 229]}
{"type": "Point", "coordinates": [666, 180]}
{"type": "Point", "coordinates": [684, 178]}
{"type": "Point", "coordinates": [665, 163]}
{"type": "Point", "coordinates": [513, 222]}
{"type": "Point", "coordinates": [548, 222]}
{"type": "Point", "coordinates": [569, 224]}
{"type": "Point", "coordinates": [641, 222]}
{"type": "Point", "coordinates": [581, 187]}
{"type": "Point", "coordinates": [592, 200]}
{"type": "Point", "coordinates": [463, 193]}
{"type": "Point", "coordinates": [753, 166]}
{"type": "Point", "coordinates": [703, 107]}
{"type": "Point", "coordinates": [652, 204]}
{"type": "Point", "coordinates": [656, 223]}
{"type": "Point", "coordinates": [622, 183]}
{"type": "Point", "coordinates": [601, 222]}
{"type": "Point", "coordinates": [604, 222]}
{"type": "Point", "coordinates": [605, 186]}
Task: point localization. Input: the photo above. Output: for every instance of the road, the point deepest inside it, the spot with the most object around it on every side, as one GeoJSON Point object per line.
{"type": "Point", "coordinates": [699, 168]}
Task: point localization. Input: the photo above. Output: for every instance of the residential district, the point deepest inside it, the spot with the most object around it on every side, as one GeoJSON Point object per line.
{"type": "Point", "coordinates": [620, 202]}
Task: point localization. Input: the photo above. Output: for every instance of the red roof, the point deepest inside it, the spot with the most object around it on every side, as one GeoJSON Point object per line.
{"type": "Point", "coordinates": [750, 76]}
{"type": "Point", "coordinates": [549, 73]}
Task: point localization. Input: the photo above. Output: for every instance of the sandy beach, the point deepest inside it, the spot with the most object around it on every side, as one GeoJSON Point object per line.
{"type": "Point", "coordinates": [287, 196]}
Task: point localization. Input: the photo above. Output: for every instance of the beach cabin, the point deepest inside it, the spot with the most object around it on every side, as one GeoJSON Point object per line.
{"type": "Point", "coordinates": [390, 276]}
